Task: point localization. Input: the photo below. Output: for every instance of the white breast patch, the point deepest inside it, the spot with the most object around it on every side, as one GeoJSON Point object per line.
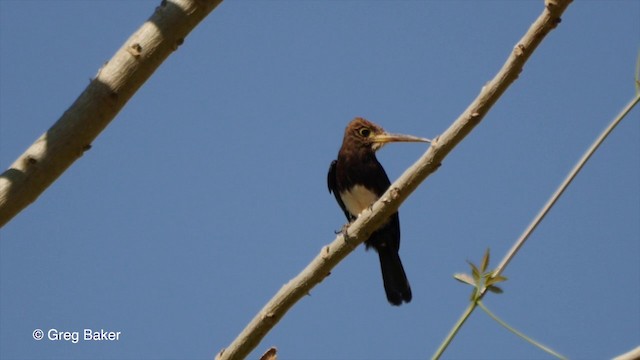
{"type": "Point", "coordinates": [358, 199]}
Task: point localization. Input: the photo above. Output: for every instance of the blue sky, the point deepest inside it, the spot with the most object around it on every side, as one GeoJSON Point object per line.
{"type": "Point", "coordinates": [208, 191]}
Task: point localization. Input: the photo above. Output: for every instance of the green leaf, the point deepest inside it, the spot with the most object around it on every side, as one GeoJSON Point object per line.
{"type": "Point", "coordinates": [464, 278]}
{"type": "Point", "coordinates": [474, 271]}
{"type": "Point", "coordinates": [485, 261]}
{"type": "Point", "coordinates": [495, 289]}
{"type": "Point", "coordinates": [496, 279]}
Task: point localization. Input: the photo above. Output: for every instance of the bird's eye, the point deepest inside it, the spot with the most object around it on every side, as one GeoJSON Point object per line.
{"type": "Point", "coordinates": [364, 132]}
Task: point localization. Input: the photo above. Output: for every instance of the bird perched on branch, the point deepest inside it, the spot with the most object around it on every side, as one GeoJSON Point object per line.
{"type": "Point", "coordinates": [357, 180]}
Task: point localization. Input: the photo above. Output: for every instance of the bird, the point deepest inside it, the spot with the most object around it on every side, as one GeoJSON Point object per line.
{"type": "Point", "coordinates": [357, 180]}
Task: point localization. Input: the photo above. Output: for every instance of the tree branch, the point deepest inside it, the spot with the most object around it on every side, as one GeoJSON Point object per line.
{"type": "Point", "coordinates": [633, 354]}
{"type": "Point", "coordinates": [370, 219]}
{"type": "Point", "coordinates": [118, 80]}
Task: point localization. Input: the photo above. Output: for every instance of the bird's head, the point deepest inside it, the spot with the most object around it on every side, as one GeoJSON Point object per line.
{"type": "Point", "coordinates": [361, 133]}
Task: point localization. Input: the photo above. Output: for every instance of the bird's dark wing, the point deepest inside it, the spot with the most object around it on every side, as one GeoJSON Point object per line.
{"type": "Point", "coordinates": [333, 188]}
{"type": "Point", "coordinates": [331, 177]}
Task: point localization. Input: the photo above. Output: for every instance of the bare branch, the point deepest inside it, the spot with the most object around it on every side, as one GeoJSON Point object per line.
{"type": "Point", "coordinates": [51, 154]}
{"type": "Point", "coordinates": [633, 354]}
{"type": "Point", "coordinates": [389, 203]}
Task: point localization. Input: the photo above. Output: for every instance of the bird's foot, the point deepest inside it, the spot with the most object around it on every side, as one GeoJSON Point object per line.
{"type": "Point", "coordinates": [343, 231]}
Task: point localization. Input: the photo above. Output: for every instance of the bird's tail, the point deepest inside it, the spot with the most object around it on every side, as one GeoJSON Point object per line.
{"type": "Point", "coordinates": [394, 278]}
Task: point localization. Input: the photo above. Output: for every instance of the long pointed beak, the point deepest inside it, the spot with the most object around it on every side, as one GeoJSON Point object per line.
{"type": "Point", "coordinates": [387, 138]}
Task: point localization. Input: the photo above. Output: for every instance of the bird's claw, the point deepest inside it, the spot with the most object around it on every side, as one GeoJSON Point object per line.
{"type": "Point", "coordinates": [343, 231]}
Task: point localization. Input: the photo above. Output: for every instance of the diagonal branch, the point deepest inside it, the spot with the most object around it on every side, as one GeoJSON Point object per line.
{"type": "Point", "coordinates": [372, 218]}
{"type": "Point", "coordinates": [118, 80]}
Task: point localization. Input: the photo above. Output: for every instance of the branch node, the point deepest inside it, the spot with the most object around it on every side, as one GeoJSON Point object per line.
{"type": "Point", "coordinates": [394, 192]}
{"type": "Point", "coordinates": [30, 160]}
{"type": "Point", "coordinates": [177, 44]}
{"type": "Point", "coordinates": [267, 316]}
{"type": "Point", "coordinates": [220, 354]}
{"type": "Point", "coordinates": [325, 252]}
{"type": "Point", "coordinates": [553, 6]}
{"type": "Point", "coordinates": [435, 144]}
{"type": "Point", "coordinates": [135, 50]}
{"type": "Point", "coordinates": [550, 4]}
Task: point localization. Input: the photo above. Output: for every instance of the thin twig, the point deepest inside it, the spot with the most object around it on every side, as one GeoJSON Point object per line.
{"type": "Point", "coordinates": [543, 212]}
{"type": "Point", "coordinates": [518, 333]}
{"type": "Point", "coordinates": [454, 330]}
{"type": "Point", "coordinates": [576, 169]}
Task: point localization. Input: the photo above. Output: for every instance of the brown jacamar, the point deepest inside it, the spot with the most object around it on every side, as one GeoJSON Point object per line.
{"type": "Point", "coordinates": [357, 180]}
